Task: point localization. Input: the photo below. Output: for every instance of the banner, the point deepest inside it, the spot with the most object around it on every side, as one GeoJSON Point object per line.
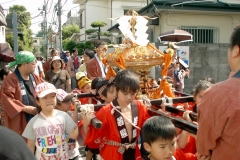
{"type": "Point", "coordinates": [182, 52]}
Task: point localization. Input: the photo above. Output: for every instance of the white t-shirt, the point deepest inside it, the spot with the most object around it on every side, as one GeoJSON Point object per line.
{"type": "Point", "coordinates": [72, 147]}
{"type": "Point", "coordinates": [38, 68]}
{"type": "Point", "coordinates": [181, 76]}
{"type": "Point", "coordinates": [50, 143]}
{"type": "Point", "coordinates": [101, 66]}
{"type": "Point", "coordinates": [72, 144]}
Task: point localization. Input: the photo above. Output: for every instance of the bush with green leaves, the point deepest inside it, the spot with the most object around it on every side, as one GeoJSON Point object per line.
{"type": "Point", "coordinates": [94, 33]}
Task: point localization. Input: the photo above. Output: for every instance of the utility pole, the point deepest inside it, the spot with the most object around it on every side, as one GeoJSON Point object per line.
{"type": "Point", "coordinates": [45, 30]}
{"type": "Point", "coordinates": [60, 24]}
{"type": "Point", "coordinates": [46, 24]}
{"type": "Point", "coordinates": [15, 32]}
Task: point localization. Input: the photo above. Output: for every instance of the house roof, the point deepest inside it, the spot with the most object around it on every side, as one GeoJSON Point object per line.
{"type": "Point", "coordinates": [210, 5]}
{"type": "Point", "coordinates": [114, 28]}
{"type": "Point", "coordinates": [6, 54]}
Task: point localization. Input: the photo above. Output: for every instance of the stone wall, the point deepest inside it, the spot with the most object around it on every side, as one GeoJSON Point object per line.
{"type": "Point", "coordinates": [205, 60]}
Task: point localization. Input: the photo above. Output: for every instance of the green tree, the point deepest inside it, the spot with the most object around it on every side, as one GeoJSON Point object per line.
{"type": "Point", "coordinates": [40, 33]}
{"type": "Point", "coordinates": [34, 50]}
{"type": "Point", "coordinates": [68, 31]}
{"type": "Point", "coordinates": [24, 22]}
{"type": "Point", "coordinates": [9, 38]}
{"type": "Point", "coordinates": [41, 48]}
{"type": "Point", "coordinates": [69, 45]}
{"type": "Point", "coordinates": [50, 30]}
{"type": "Point", "coordinates": [82, 46]}
{"type": "Point", "coordinates": [97, 32]}
{"type": "Point", "coordinates": [64, 42]}
{"type": "Point", "coordinates": [89, 45]}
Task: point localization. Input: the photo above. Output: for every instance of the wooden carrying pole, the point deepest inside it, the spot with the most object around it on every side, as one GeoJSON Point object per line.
{"type": "Point", "coordinates": [179, 123]}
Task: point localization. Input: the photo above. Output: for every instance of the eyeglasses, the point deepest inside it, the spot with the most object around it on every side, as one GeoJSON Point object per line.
{"type": "Point", "coordinates": [33, 63]}
{"type": "Point", "coordinates": [103, 49]}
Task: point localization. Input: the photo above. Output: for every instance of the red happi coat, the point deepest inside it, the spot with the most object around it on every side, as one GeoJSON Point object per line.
{"type": "Point", "coordinates": [11, 99]}
{"type": "Point", "coordinates": [180, 155]}
{"type": "Point", "coordinates": [109, 131]}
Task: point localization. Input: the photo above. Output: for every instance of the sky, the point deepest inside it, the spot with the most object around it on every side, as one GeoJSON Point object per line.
{"type": "Point", "coordinates": [32, 6]}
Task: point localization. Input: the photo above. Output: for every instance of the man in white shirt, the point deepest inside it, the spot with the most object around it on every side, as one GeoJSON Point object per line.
{"type": "Point", "coordinates": [95, 67]}
{"type": "Point", "coordinates": [73, 64]}
{"type": "Point", "coordinates": [39, 70]}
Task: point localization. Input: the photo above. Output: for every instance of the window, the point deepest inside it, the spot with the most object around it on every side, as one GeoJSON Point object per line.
{"type": "Point", "coordinates": [35, 41]}
{"type": "Point", "coordinates": [119, 40]}
{"type": "Point", "coordinates": [81, 23]}
{"type": "Point", "coordinates": [202, 34]}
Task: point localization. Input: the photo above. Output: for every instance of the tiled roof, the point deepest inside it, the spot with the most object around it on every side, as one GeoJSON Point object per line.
{"type": "Point", "coordinates": [201, 5]}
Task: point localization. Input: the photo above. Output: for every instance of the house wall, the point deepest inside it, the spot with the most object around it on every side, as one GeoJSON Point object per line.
{"type": "Point", "coordinates": [205, 60]}
{"type": "Point", "coordinates": [2, 28]}
{"type": "Point", "coordinates": [100, 10]}
{"type": "Point", "coordinates": [37, 43]}
{"type": "Point", "coordinates": [225, 22]}
{"type": "Point", "coordinates": [71, 21]}
{"type": "Point", "coordinates": [2, 34]}
{"type": "Point", "coordinates": [120, 5]}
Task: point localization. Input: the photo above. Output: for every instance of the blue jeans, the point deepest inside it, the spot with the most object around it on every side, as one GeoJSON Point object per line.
{"type": "Point", "coordinates": [73, 83]}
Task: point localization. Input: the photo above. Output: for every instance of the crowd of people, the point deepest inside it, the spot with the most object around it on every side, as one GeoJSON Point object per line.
{"type": "Point", "coordinates": [42, 117]}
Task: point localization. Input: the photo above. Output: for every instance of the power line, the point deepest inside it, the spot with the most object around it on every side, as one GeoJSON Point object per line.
{"type": "Point", "coordinates": [64, 4]}
{"type": "Point", "coordinates": [40, 14]}
{"type": "Point", "coordinates": [7, 2]}
{"type": "Point", "coordinates": [36, 16]}
{"type": "Point", "coordinates": [36, 22]}
{"type": "Point", "coordinates": [34, 12]}
{"type": "Point", "coordinates": [95, 5]}
{"type": "Point", "coordinates": [50, 7]}
{"type": "Point", "coordinates": [71, 8]}
{"type": "Point", "coordinates": [53, 17]}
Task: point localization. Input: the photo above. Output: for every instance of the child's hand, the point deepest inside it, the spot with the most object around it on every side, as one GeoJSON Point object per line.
{"type": "Point", "coordinates": [201, 157]}
{"type": "Point", "coordinates": [179, 107]}
{"type": "Point", "coordinates": [76, 102]}
{"type": "Point", "coordinates": [186, 106]}
{"type": "Point", "coordinates": [88, 117]}
{"type": "Point", "coordinates": [186, 116]}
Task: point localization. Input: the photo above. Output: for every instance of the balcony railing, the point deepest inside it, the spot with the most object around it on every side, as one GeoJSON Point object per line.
{"type": "Point", "coordinates": [78, 1]}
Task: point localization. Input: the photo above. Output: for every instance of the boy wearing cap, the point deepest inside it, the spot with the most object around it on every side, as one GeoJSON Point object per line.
{"type": "Point", "coordinates": [46, 131]}
{"type": "Point", "coordinates": [64, 103]}
{"type": "Point", "coordinates": [17, 92]}
{"type": "Point", "coordinates": [84, 84]}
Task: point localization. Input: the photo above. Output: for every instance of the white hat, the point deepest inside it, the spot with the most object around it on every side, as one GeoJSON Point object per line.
{"type": "Point", "coordinates": [56, 58]}
{"type": "Point", "coordinates": [44, 89]}
{"type": "Point", "coordinates": [79, 75]}
{"type": "Point", "coordinates": [64, 96]}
